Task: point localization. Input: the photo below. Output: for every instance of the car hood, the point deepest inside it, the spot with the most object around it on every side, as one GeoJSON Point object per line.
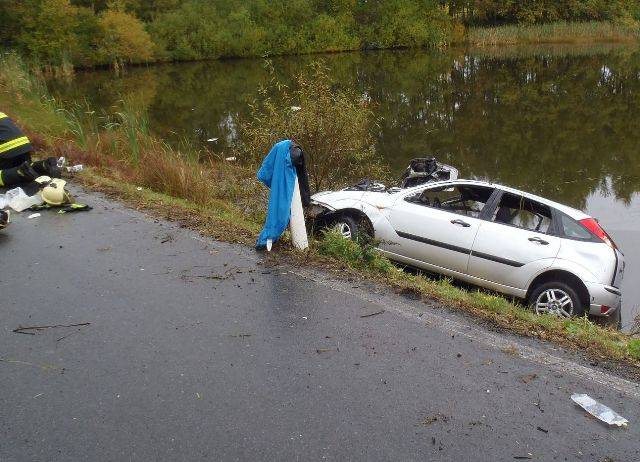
{"type": "Point", "coordinates": [336, 199]}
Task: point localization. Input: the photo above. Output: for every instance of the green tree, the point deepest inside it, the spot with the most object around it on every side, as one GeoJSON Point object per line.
{"type": "Point", "coordinates": [48, 29]}
{"type": "Point", "coordinates": [124, 38]}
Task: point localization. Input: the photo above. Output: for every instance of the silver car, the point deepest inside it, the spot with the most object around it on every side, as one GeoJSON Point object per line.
{"type": "Point", "coordinates": [555, 257]}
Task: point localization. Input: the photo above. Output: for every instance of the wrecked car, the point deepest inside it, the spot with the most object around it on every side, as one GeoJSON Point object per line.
{"type": "Point", "coordinates": [557, 258]}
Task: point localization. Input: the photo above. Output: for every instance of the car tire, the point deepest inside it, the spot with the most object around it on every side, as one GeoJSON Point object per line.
{"type": "Point", "coordinates": [553, 298]}
{"type": "Point", "coordinates": [346, 225]}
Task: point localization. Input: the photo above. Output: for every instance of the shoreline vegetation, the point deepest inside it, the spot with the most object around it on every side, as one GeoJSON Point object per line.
{"type": "Point", "coordinates": [223, 199]}
{"type": "Point", "coordinates": [553, 33]}
{"type": "Point", "coordinates": [61, 35]}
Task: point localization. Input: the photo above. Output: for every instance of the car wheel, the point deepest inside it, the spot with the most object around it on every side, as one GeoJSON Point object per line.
{"type": "Point", "coordinates": [347, 226]}
{"type": "Point", "coordinates": [557, 298]}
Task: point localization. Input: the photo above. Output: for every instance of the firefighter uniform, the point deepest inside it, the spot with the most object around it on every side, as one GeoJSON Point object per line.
{"type": "Point", "coordinates": [15, 156]}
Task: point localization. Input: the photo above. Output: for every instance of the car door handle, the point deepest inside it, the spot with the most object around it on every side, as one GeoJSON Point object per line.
{"type": "Point", "coordinates": [538, 240]}
{"type": "Point", "coordinates": [461, 223]}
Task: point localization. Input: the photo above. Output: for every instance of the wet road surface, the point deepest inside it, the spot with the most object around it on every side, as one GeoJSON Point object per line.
{"type": "Point", "coordinates": [197, 350]}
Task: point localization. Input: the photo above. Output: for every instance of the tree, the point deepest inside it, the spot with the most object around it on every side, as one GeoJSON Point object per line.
{"type": "Point", "coordinates": [47, 30]}
{"type": "Point", "coordinates": [124, 39]}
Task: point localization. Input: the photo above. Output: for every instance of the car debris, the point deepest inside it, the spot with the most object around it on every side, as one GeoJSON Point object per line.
{"type": "Point", "coordinates": [26, 330]}
{"type": "Point", "coordinates": [368, 315]}
{"type": "Point", "coordinates": [598, 410]}
{"type": "Point", "coordinates": [421, 170]}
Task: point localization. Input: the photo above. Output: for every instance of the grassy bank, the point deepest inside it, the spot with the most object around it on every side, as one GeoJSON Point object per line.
{"type": "Point", "coordinates": [223, 200]}
{"type": "Point", "coordinates": [552, 33]}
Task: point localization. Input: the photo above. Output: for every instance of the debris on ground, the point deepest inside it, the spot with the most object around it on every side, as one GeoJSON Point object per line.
{"type": "Point", "coordinates": [34, 215]}
{"type": "Point", "coordinates": [372, 314]}
{"type": "Point", "coordinates": [543, 430]}
{"type": "Point", "coordinates": [241, 335]}
{"type": "Point", "coordinates": [598, 410]}
{"type": "Point", "coordinates": [25, 330]}
{"type": "Point", "coordinates": [434, 418]}
{"type": "Point", "coordinates": [75, 208]}
{"type": "Point", "coordinates": [528, 378]}
{"type": "Point", "coordinates": [18, 200]}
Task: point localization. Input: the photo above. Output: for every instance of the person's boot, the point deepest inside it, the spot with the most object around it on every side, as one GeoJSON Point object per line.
{"type": "Point", "coordinates": [18, 175]}
{"type": "Point", "coordinates": [47, 167]}
{"type": "Point", "coordinates": [4, 219]}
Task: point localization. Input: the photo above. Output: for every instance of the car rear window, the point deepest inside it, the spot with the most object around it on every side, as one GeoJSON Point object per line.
{"type": "Point", "coordinates": [515, 210]}
{"type": "Point", "coordinates": [571, 228]}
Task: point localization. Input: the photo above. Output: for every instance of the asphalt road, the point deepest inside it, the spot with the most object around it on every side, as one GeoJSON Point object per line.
{"type": "Point", "coordinates": [198, 350]}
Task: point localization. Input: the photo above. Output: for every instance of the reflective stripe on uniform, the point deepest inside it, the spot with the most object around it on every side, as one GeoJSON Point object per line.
{"type": "Point", "coordinates": [3, 115]}
{"type": "Point", "coordinates": [1, 181]}
{"type": "Point", "coordinates": [9, 145]}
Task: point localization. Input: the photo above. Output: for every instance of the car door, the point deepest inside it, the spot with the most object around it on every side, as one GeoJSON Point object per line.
{"type": "Point", "coordinates": [514, 242]}
{"type": "Point", "coordinates": [437, 225]}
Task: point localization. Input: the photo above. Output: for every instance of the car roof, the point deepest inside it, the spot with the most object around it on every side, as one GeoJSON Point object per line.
{"type": "Point", "coordinates": [573, 213]}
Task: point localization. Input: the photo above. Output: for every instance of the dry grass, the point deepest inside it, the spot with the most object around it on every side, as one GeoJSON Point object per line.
{"type": "Point", "coordinates": [558, 32]}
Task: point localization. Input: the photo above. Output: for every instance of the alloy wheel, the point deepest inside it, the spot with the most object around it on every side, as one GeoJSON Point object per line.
{"type": "Point", "coordinates": [556, 302]}
{"type": "Point", "coordinates": [344, 229]}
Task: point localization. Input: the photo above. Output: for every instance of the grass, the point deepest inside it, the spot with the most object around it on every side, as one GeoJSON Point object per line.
{"type": "Point", "coordinates": [223, 200]}
{"type": "Point", "coordinates": [554, 33]}
{"type": "Point", "coordinates": [578, 333]}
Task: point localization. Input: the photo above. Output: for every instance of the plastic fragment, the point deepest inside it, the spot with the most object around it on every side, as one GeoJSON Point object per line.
{"type": "Point", "coordinates": [18, 200]}
{"type": "Point", "coordinates": [295, 108]}
{"type": "Point", "coordinates": [230, 159]}
{"type": "Point", "coordinates": [34, 215]}
{"type": "Point", "coordinates": [75, 168]}
{"type": "Point", "coordinates": [598, 410]}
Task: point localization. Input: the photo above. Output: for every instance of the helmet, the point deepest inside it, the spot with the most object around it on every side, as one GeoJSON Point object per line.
{"type": "Point", "coordinates": [54, 193]}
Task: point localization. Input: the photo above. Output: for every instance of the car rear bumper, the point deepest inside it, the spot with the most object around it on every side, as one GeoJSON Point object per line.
{"type": "Point", "coordinates": [604, 300]}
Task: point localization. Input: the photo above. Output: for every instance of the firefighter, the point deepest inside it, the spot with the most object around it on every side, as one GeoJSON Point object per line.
{"type": "Point", "coordinates": [16, 166]}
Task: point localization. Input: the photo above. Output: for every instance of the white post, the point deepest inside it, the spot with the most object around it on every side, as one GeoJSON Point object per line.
{"type": "Point", "coordinates": [296, 224]}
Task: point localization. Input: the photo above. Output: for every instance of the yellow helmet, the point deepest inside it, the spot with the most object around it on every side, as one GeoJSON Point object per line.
{"type": "Point", "coordinates": [54, 193]}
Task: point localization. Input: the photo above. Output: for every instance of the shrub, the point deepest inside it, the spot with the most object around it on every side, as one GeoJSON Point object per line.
{"type": "Point", "coordinates": [333, 126]}
{"type": "Point", "coordinates": [124, 39]}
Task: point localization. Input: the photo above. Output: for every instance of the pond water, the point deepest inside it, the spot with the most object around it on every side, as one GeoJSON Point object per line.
{"type": "Point", "coordinates": [562, 122]}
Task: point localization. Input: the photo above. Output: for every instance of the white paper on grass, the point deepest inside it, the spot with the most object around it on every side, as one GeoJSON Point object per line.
{"type": "Point", "coordinates": [598, 410]}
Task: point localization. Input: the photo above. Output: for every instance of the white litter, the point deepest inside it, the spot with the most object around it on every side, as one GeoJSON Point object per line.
{"type": "Point", "coordinates": [295, 108]}
{"type": "Point", "coordinates": [212, 140]}
{"type": "Point", "coordinates": [139, 188]}
{"type": "Point", "coordinates": [62, 161]}
{"type": "Point", "coordinates": [19, 201]}
{"type": "Point", "coordinates": [75, 168]}
{"type": "Point", "coordinates": [598, 410]}
{"type": "Point", "coordinates": [230, 158]}
{"type": "Point", "coordinates": [33, 215]}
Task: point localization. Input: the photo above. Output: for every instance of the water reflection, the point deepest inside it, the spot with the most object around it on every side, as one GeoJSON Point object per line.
{"type": "Point", "coordinates": [560, 122]}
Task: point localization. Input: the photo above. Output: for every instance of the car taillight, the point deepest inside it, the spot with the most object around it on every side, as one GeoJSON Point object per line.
{"type": "Point", "coordinates": [594, 228]}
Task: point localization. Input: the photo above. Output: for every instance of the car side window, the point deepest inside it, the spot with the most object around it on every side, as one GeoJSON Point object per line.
{"type": "Point", "coordinates": [518, 211]}
{"type": "Point", "coordinates": [468, 200]}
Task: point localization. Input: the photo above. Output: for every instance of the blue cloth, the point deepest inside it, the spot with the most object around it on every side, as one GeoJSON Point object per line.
{"type": "Point", "coordinates": [278, 174]}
